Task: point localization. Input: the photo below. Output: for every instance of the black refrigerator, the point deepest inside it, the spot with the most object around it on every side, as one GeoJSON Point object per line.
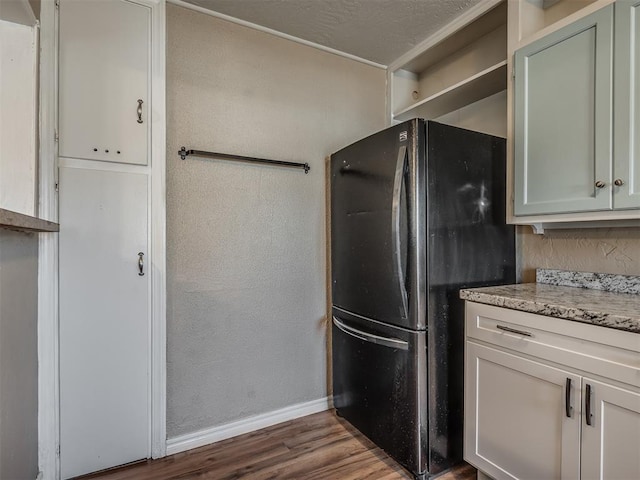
{"type": "Point", "coordinates": [417, 213]}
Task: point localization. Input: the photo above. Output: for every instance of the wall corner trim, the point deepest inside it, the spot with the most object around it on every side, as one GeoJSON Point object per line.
{"type": "Point", "coordinates": [222, 432]}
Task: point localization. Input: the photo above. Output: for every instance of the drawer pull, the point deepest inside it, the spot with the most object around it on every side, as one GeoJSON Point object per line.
{"type": "Point", "coordinates": [587, 405]}
{"type": "Point", "coordinates": [567, 398]}
{"type": "Point", "coordinates": [513, 330]}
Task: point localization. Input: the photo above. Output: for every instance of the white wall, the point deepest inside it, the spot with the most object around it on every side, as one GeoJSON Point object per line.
{"type": "Point", "coordinates": [247, 306]}
{"type": "Point", "coordinates": [18, 355]}
{"type": "Point", "coordinates": [18, 117]}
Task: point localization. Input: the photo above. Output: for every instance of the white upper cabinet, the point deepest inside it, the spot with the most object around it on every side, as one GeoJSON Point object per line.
{"type": "Point", "coordinates": [575, 111]}
{"type": "Point", "coordinates": [104, 102]}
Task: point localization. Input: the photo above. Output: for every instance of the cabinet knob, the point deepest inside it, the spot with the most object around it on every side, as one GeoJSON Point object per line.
{"type": "Point", "coordinates": [600, 184]}
{"type": "Point", "coordinates": [618, 182]}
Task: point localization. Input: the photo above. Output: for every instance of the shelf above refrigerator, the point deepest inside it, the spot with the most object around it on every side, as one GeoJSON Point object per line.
{"type": "Point", "coordinates": [459, 65]}
{"type": "Point", "coordinates": [481, 85]}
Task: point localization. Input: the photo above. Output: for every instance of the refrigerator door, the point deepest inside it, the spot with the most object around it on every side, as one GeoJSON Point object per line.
{"type": "Point", "coordinates": [469, 244]}
{"type": "Point", "coordinates": [374, 203]}
{"type": "Point", "coordinates": [379, 385]}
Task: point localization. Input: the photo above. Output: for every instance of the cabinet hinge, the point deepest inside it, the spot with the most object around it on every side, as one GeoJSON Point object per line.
{"type": "Point", "coordinates": [55, 136]}
{"type": "Point", "coordinates": [513, 73]}
{"type": "Point", "coordinates": [58, 451]}
{"type": "Point", "coordinates": [58, 4]}
{"type": "Point", "coordinates": [57, 187]}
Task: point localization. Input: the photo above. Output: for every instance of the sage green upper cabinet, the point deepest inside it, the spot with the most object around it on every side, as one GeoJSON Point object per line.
{"type": "Point", "coordinates": [563, 119]}
{"type": "Point", "coordinates": [626, 189]}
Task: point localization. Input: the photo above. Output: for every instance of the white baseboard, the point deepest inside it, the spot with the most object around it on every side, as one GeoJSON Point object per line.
{"type": "Point", "coordinates": [207, 436]}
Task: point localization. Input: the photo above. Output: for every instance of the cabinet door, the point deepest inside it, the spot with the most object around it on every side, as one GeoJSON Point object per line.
{"type": "Point", "coordinates": [104, 74]}
{"type": "Point", "coordinates": [104, 319]}
{"type": "Point", "coordinates": [627, 106]}
{"type": "Point", "coordinates": [563, 119]}
{"type": "Point", "coordinates": [515, 416]}
{"type": "Point", "coordinates": [611, 444]}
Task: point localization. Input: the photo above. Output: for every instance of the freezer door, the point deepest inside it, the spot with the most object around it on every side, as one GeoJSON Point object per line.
{"type": "Point", "coordinates": [379, 382]}
{"type": "Point", "coordinates": [372, 231]}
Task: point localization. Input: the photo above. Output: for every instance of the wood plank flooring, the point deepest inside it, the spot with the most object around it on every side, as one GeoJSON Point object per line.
{"type": "Point", "coordinates": [316, 447]}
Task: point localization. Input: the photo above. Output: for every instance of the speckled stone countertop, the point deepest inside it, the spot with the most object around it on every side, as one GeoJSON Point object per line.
{"type": "Point", "coordinates": [598, 307]}
{"type": "Point", "coordinates": [25, 223]}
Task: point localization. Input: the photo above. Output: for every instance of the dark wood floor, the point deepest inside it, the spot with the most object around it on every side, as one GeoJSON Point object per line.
{"type": "Point", "coordinates": [316, 447]}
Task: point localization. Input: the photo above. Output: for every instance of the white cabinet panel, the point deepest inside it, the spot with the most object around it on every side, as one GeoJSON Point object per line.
{"type": "Point", "coordinates": [104, 320]}
{"type": "Point", "coordinates": [627, 106]}
{"type": "Point", "coordinates": [104, 72]}
{"type": "Point", "coordinates": [515, 415]}
{"type": "Point", "coordinates": [610, 445]}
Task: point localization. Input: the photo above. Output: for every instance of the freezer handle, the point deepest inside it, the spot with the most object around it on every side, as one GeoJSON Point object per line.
{"type": "Point", "coordinates": [395, 225]}
{"type": "Point", "coordinates": [369, 337]}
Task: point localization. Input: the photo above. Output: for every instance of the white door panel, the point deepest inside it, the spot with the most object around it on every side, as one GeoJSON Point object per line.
{"type": "Point", "coordinates": [104, 320]}
{"type": "Point", "coordinates": [104, 71]}
{"type": "Point", "coordinates": [611, 444]}
{"type": "Point", "coordinates": [516, 409]}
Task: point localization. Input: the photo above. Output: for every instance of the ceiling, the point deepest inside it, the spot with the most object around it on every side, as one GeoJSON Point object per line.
{"type": "Point", "coordinates": [376, 30]}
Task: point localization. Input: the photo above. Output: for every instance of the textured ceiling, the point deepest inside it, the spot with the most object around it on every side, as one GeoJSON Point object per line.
{"type": "Point", "coordinates": [376, 30]}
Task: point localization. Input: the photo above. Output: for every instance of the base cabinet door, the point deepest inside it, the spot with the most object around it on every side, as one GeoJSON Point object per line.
{"type": "Point", "coordinates": [522, 418]}
{"type": "Point", "coordinates": [611, 438]}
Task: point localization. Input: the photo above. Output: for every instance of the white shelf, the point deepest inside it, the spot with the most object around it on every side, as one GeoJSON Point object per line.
{"type": "Point", "coordinates": [481, 85]}
{"type": "Point", "coordinates": [464, 62]}
{"type": "Point", "coordinates": [11, 220]}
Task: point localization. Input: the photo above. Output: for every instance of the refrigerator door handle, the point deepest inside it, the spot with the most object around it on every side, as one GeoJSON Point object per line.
{"type": "Point", "coordinates": [369, 337]}
{"type": "Point", "coordinates": [395, 225]}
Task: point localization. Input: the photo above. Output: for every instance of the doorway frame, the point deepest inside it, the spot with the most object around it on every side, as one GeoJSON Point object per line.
{"type": "Point", "coordinates": [48, 284]}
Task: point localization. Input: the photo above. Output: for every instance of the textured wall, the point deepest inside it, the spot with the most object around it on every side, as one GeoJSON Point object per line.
{"type": "Point", "coordinates": [246, 243]}
{"type": "Point", "coordinates": [605, 250]}
{"type": "Point", "coordinates": [488, 115]}
{"type": "Point", "coordinates": [18, 355]}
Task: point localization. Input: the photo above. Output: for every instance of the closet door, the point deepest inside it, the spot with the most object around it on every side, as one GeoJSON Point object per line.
{"type": "Point", "coordinates": [104, 81]}
{"type": "Point", "coordinates": [104, 320]}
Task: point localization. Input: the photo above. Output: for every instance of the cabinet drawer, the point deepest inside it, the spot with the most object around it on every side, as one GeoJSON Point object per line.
{"type": "Point", "coordinates": [598, 350]}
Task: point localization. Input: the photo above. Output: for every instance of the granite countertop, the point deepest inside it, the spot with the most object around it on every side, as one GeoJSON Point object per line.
{"type": "Point", "coordinates": [587, 301]}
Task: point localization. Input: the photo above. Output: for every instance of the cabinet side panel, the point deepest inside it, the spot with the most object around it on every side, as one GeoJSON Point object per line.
{"type": "Point", "coordinates": [627, 114]}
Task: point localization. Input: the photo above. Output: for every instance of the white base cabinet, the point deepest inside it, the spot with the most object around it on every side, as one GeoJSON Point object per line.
{"type": "Point", "coordinates": [539, 400]}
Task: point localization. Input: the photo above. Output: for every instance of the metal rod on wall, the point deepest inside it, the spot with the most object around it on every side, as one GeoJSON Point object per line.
{"type": "Point", "coordinates": [184, 153]}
